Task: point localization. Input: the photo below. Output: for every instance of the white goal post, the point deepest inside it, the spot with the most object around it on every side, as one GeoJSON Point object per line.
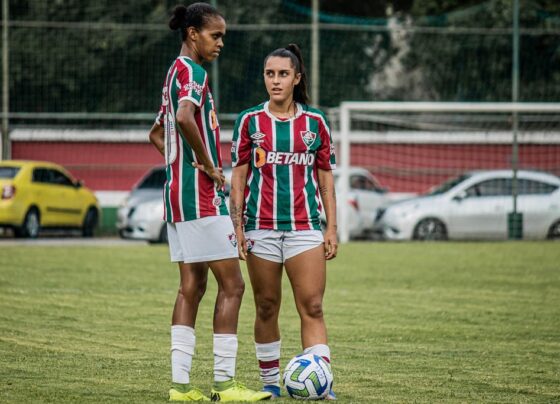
{"type": "Point", "coordinates": [544, 129]}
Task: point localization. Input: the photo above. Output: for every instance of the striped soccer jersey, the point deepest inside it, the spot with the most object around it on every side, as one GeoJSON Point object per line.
{"type": "Point", "coordinates": [189, 193]}
{"type": "Point", "coordinates": [283, 156]}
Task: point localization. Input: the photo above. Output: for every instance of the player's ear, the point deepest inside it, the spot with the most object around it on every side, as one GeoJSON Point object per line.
{"type": "Point", "coordinates": [297, 79]}
{"type": "Point", "coordinates": [192, 33]}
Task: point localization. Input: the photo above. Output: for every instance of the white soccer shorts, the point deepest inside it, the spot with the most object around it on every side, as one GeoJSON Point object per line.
{"type": "Point", "coordinates": [207, 239]}
{"type": "Point", "coordinates": [279, 246]}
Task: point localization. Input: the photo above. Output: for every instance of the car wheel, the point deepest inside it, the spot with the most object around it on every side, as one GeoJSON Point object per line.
{"type": "Point", "coordinates": [554, 231]}
{"type": "Point", "coordinates": [90, 223]}
{"type": "Point", "coordinates": [430, 229]}
{"type": "Point", "coordinates": [31, 225]}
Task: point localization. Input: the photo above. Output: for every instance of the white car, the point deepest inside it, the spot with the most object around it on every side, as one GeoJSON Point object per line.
{"type": "Point", "coordinates": [364, 198]}
{"type": "Point", "coordinates": [476, 205]}
{"type": "Point", "coordinates": [140, 216]}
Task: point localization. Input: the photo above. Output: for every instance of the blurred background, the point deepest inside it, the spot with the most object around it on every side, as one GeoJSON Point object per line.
{"type": "Point", "coordinates": [82, 83]}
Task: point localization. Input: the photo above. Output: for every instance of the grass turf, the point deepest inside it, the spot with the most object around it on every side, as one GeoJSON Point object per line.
{"type": "Point", "coordinates": [408, 322]}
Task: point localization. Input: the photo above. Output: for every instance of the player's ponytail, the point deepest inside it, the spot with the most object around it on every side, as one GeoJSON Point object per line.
{"type": "Point", "coordinates": [300, 90]}
{"type": "Point", "coordinates": [196, 15]}
{"type": "Point", "coordinates": [293, 52]}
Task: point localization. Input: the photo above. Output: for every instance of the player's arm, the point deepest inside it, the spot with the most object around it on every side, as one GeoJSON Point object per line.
{"type": "Point", "coordinates": [157, 137]}
{"type": "Point", "coordinates": [236, 201]}
{"type": "Point", "coordinates": [328, 196]}
{"type": "Point", "coordinates": [185, 120]}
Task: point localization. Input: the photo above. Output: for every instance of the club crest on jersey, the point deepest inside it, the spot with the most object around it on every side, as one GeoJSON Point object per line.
{"type": "Point", "coordinates": [258, 138]}
{"type": "Point", "coordinates": [217, 201]}
{"type": "Point", "coordinates": [232, 239]}
{"type": "Point", "coordinates": [308, 137]}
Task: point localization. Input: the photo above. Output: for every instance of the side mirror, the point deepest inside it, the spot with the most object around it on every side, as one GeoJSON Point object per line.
{"type": "Point", "coordinates": [460, 196]}
{"type": "Point", "coordinates": [78, 184]}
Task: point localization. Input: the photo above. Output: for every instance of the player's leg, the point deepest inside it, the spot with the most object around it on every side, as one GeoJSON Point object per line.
{"type": "Point", "coordinates": [226, 312]}
{"type": "Point", "coordinates": [266, 281]}
{"type": "Point", "coordinates": [306, 269]}
{"type": "Point", "coordinates": [193, 279]}
{"type": "Point", "coordinates": [307, 274]}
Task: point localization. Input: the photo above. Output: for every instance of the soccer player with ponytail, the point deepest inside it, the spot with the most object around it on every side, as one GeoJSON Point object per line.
{"type": "Point", "coordinates": [283, 157]}
{"type": "Point", "coordinates": [200, 233]}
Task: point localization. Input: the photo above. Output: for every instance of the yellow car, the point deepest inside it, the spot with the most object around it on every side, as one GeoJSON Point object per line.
{"type": "Point", "coordinates": [38, 194]}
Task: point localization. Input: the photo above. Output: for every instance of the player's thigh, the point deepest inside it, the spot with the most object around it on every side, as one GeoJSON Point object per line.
{"type": "Point", "coordinates": [266, 279]}
{"type": "Point", "coordinates": [307, 275]}
{"type": "Point", "coordinates": [227, 274]}
{"type": "Point", "coordinates": [193, 275]}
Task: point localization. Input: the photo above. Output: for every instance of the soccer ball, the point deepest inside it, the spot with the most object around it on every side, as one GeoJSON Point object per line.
{"type": "Point", "coordinates": [308, 377]}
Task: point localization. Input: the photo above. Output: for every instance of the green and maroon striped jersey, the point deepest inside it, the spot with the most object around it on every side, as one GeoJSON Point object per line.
{"type": "Point", "coordinates": [283, 156]}
{"type": "Point", "coordinates": [188, 192]}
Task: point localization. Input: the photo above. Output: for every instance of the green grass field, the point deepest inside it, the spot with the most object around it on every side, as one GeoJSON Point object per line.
{"type": "Point", "coordinates": [410, 322]}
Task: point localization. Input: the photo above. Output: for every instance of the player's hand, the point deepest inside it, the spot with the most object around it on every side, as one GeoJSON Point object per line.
{"type": "Point", "coordinates": [331, 243]}
{"type": "Point", "coordinates": [215, 173]}
{"type": "Point", "coordinates": [241, 244]}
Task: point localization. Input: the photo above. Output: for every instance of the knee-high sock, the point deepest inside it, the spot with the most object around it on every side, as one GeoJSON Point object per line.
{"type": "Point", "coordinates": [225, 353]}
{"type": "Point", "coordinates": [183, 342]}
{"type": "Point", "coordinates": [268, 356]}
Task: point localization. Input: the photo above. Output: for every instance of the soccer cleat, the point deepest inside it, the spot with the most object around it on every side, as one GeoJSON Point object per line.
{"type": "Point", "coordinates": [331, 396]}
{"type": "Point", "coordinates": [272, 389]}
{"type": "Point", "coordinates": [193, 394]}
{"type": "Point", "coordinates": [238, 392]}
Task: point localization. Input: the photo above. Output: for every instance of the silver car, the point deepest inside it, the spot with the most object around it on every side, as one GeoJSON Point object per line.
{"type": "Point", "coordinates": [364, 198]}
{"type": "Point", "coordinates": [140, 216]}
{"type": "Point", "coordinates": [475, 205]}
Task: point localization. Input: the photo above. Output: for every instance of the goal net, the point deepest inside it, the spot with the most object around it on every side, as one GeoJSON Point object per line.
{"type": "Point", "coordinates": [412, 147]}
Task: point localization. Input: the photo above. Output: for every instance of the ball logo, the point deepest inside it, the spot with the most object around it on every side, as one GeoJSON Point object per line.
{"type": "Point", "coordinates": [213, 119]}
{"type": "Point", "coordinates": [260, 157]}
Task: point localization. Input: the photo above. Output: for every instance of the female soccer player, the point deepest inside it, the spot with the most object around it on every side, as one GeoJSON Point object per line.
{"type": "Point", "coordinates": [283, 155]}
{"type": "Point", "coordinates": [200, 232]}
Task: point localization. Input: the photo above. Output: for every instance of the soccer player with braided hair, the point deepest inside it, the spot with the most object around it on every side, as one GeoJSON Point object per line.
{"type": "Point", "coordinates": [283, 157]}
{"type": "Point", "coordinates": [200, 232]}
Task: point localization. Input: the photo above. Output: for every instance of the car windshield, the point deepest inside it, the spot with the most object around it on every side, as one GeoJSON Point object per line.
{"type": "Point", "coordinates": [8, 172]}
{"type": "Point", "coordinates": [447, 185]}
{"type": "Point", "coordinates": [154, 180]}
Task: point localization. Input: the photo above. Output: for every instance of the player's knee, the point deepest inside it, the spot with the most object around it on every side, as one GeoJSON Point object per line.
{"type": "Point", "coordinates": [267, 308]}
{"type": "Point", "coordinates": [313, 308]}
{"type": "Point", "coordinates": [193, 291]}
{"type": "Point", "coordinates": [234, 288]}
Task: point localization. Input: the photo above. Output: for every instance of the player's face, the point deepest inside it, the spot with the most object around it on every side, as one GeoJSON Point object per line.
{"type": "Point", "coordinates": [210, 39]}
{"type": "Point", "coordinates": [280, 79]}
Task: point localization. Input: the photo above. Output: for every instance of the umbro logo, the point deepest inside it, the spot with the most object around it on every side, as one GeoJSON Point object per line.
{"type": "Point", "coordinates": [258, 137]}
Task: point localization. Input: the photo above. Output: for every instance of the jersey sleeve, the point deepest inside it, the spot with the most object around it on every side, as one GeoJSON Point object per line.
{"type": "Point", "coordinates": [192, 83]}
{"type": "Point", "coordinates": [241, 144]}
{"type": "Point", "coordinates": [326, 159]}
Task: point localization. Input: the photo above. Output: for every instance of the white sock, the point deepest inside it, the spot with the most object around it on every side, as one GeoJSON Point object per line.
{"type": "Point", "coordinates": [268, 356]}
{"type": "Point", "coordinates": [183, 341]}
{"type": "Point", "coordinates": [225, 352]}
{"type": "Point", "coordinates": [321, 350]}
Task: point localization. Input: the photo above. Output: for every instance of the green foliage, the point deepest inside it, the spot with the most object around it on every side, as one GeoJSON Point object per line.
{"type": "Point", "coordinates": [408, 322]}
{"type": "Point", "coordinates": [63, 60]}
